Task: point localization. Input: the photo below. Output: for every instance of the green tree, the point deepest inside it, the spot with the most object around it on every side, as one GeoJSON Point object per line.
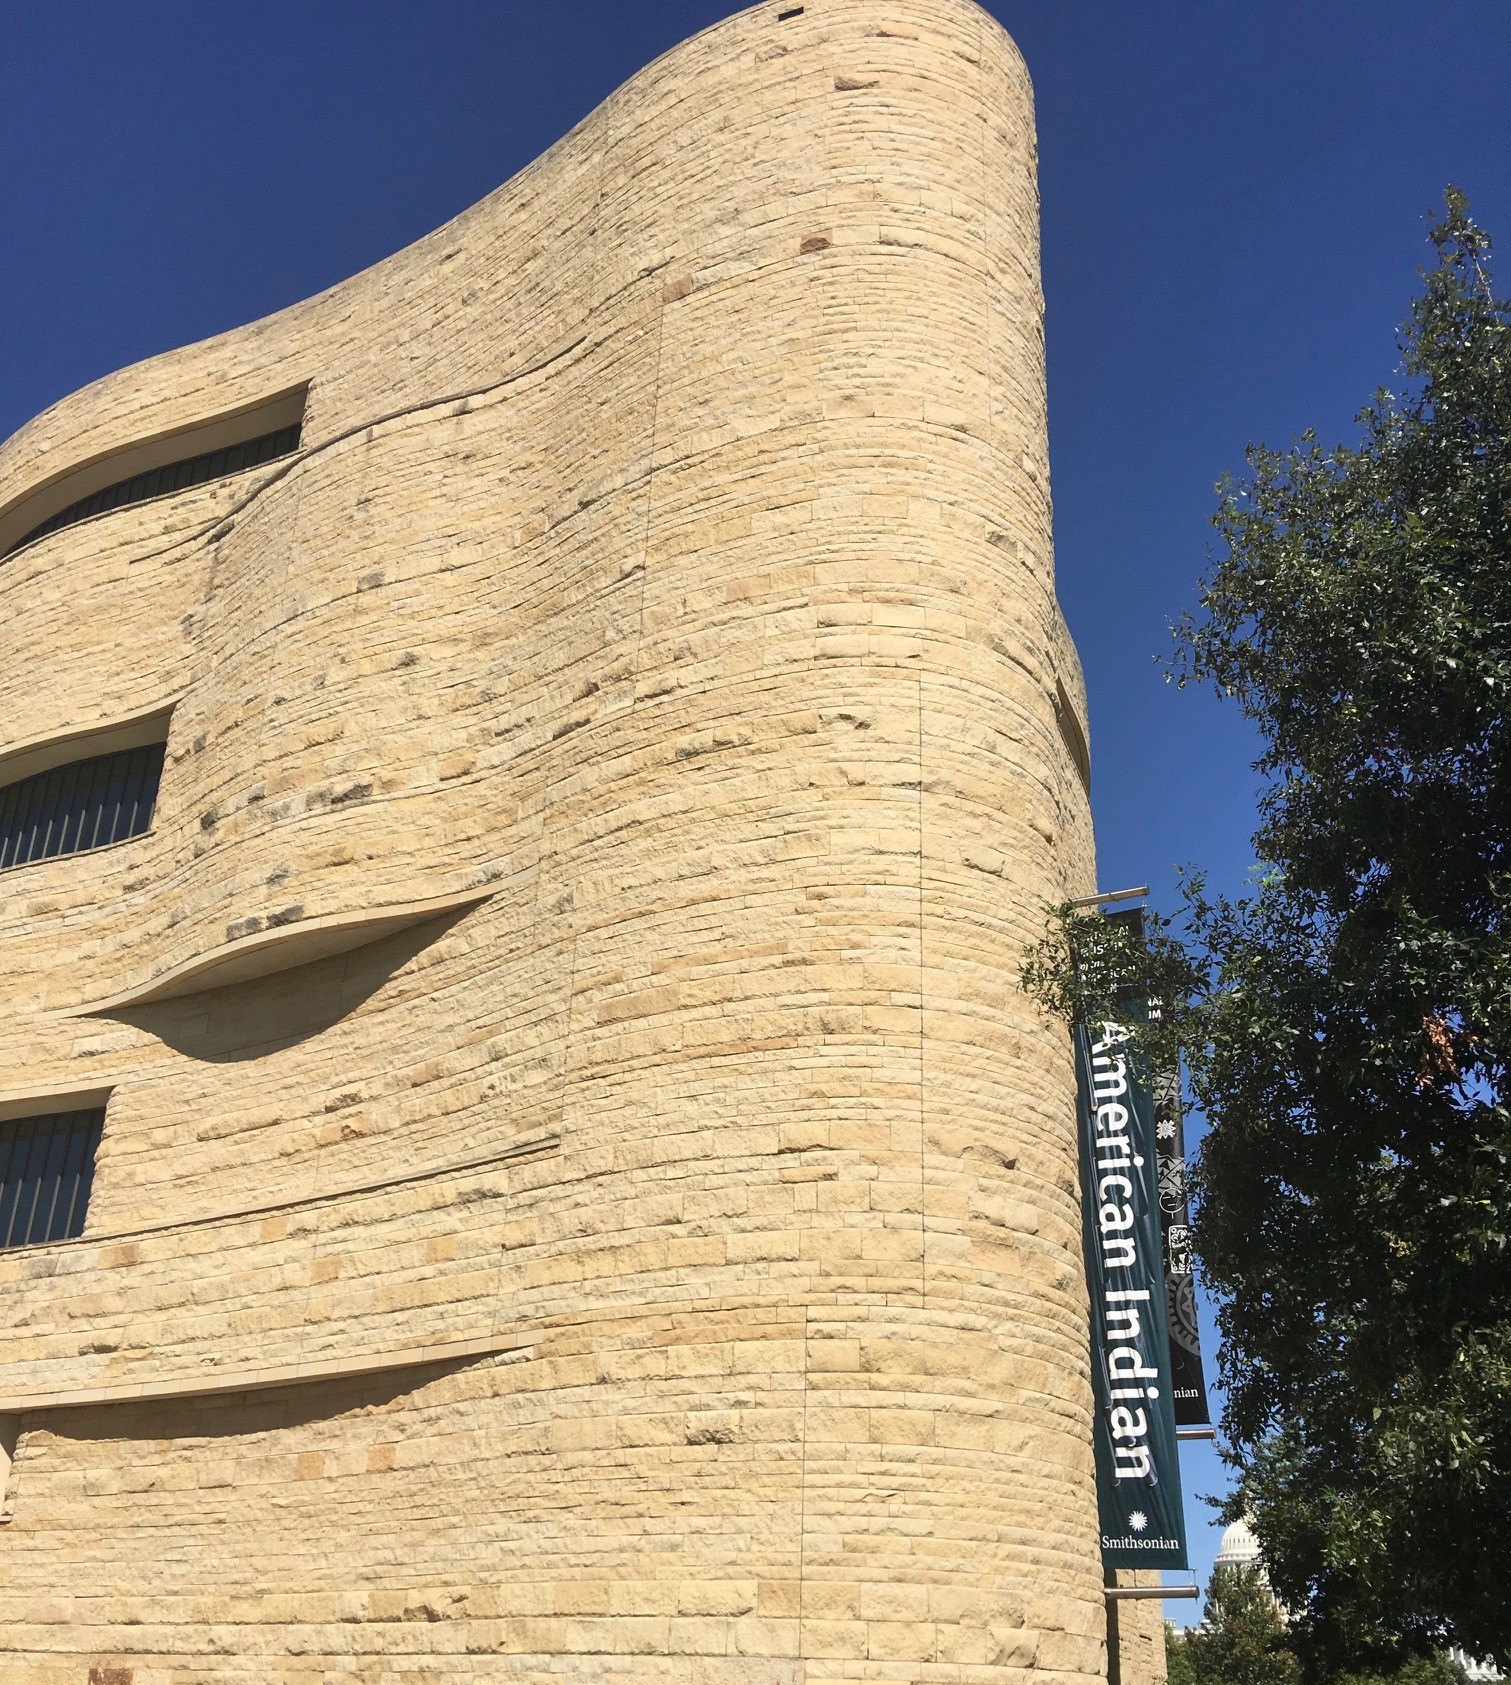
{"type": "Point", "coordinates": [1242, 1639]}
{"type": "Point", "coordinates": [1348, 1023]}
{"type": "Point", "coordinates": [1351, 1044]}
{"type": "Point", "coordinates": [1435, 1669]}
{"type": "Point", "coordinates": [1178, 1669]}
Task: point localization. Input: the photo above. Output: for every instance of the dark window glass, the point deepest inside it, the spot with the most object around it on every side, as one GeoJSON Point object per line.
{"type": "Point", "coordinates": [46, 1169]}
{"type": "Point", "coordinates": [85, 805]}
{"type": "Point", "coordinates": [192, 471]}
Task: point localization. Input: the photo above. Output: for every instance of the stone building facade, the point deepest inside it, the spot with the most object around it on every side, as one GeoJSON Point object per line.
{"type": "Point", "coordinates": [580, 1196]}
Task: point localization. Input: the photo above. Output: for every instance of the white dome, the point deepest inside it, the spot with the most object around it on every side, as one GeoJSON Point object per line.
{"type": "Point", "coordinates": [1239, 1547]}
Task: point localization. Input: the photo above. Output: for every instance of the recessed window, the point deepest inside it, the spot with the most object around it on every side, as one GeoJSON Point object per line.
{"type": "Point", "coordinates": [46, 1171]}
{"type": "Point", "coordinates": [1072, 734]}
{"type": "Point", "coordinates": [157, 467]}
{"type": "Point", "coordinates": [83, 805]}
{"type": "Point", "coordinates": [172, 476]}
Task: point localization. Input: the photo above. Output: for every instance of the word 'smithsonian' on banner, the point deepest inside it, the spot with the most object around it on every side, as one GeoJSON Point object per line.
{"type": "Point", "coordinates": [1143, 1520]}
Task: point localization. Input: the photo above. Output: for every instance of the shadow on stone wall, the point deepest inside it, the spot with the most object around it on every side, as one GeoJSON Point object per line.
{"type": "Point", "coordinates": [241, 1414]}
{"type": "Point", "coordinates": [267, 1014]}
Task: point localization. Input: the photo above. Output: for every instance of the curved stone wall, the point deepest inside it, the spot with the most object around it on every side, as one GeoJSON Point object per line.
{"type": "Point", "coordinates": [666, 559]}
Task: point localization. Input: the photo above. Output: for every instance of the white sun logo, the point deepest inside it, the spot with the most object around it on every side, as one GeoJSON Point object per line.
{"type": "Point", "coordinates": [1138, 1521]}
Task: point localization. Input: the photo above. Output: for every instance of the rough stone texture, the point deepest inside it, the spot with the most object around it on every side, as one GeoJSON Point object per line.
{"type": "Point", "coordinates": [668, 552]}
{"type": "Point", "coordinates": [1140, 1627]}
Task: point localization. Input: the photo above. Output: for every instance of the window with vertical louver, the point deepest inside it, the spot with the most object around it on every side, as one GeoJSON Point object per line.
{"type": "Point", "coordinates": [46, 1170]}
{"type": "Point", "coordinates": [172, 476]}
{"type": "Point", "coordinates": [86, 804]}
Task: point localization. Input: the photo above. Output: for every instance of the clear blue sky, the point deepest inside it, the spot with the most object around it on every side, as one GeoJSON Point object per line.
{"type": "Point", "coordinates": [1234, 209]}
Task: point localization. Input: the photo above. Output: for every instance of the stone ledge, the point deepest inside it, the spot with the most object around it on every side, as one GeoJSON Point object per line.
{"type": "Point", "coordinates": [281, 1375]}
{"type": "Point", "coordinates": [264, 952]}
{"type": "Point", "coordinates": [54, 1097]}
{"type": "Point", "coordinates": [79, 743]}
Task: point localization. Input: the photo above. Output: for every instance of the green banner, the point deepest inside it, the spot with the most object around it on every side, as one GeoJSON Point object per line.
{"type": "Point", "coordinates": [1143, 1520]}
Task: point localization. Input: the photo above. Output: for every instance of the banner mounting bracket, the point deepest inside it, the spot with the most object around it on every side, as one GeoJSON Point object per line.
{"type": "Point", "coordinates": [1111, 895]}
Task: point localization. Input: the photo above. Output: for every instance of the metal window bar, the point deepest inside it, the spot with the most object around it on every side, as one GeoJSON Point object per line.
{"type": "Point", "coordinates": [86, 804]}
{"type": "Point", "coordinates": [175, 476]}
{"type": "Point", "coordinates": [93, 783]}
{"type": "Point", "coordinates": [46, 1172]}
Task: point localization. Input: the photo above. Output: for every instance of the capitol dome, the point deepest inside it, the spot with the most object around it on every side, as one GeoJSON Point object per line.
{"type": "Point", "coordinates": [1239, 1547]}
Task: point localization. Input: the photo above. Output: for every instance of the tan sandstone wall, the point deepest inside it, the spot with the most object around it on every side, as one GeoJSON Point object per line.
{"type": "Point", "coordinates": [1139, 1629]}
{"type": "Point", "coordinates": [667, 560]}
